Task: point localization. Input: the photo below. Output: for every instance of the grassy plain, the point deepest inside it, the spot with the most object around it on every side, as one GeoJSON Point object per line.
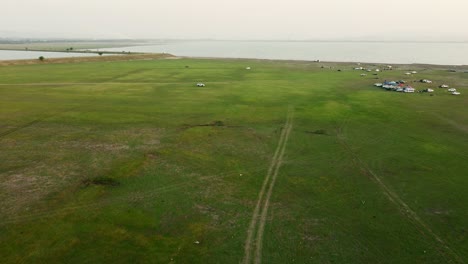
{"type": "Point", "coordinates": [118, 162]}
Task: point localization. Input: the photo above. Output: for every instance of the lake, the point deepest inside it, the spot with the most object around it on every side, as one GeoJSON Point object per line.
{"type": "Point", "coordinates": [384, 52]}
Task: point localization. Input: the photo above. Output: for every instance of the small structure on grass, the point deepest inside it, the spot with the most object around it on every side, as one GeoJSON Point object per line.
{"type": "Point", "coordinates": [200, 84]}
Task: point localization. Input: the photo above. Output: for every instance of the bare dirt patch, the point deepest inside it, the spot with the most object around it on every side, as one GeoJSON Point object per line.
{"type": "Point", "coordinates": [104, 181]}
{"type": "Point", "coordinates": [21, 189]}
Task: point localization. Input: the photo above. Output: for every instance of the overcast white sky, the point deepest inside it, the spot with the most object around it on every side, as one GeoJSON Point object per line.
{"type": "Point", "coordinates": [236, 19]}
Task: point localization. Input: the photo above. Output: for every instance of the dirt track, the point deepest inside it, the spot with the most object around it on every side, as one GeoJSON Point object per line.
{"type": "Point", "coordinates": [257, 224]}
{"type": "Point", "coordinates": [410, 214]}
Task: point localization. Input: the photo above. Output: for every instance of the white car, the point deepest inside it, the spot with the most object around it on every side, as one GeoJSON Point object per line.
{"type": "Point", "coordinates": [200, 84]}
{"type": "Point", "coordinates": [456, 93]}
{"type": "Point", "coordinates": [452, 90]}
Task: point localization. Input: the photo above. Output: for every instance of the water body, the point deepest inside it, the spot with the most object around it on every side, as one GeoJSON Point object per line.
{"type": "Point", "coordinates": [384, 52]}
{"type": "Point", "coordinates": [377, 52]}
{"type": "Point", "coordinates": [23, 55]}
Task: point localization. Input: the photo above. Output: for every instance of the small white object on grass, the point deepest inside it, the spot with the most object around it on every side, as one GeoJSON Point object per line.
{"type": "Point", "coordinates": [196, 242]}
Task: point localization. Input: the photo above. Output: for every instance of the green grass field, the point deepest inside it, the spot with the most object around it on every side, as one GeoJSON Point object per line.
{"type": "Point", "coordinates": [130, 162]}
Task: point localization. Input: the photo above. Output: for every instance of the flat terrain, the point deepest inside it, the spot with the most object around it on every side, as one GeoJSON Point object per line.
{"type": "Point", "coordinates": [127, 57]}
{"type": "Point", "coordinates": [57, 45]}
{"type": "Point", "coordinates": [288, 162]}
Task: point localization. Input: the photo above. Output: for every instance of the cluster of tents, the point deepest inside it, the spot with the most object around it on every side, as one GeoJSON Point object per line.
{"type": "Point", "coordinates": [397, 86]}
{"type": "Point", "coordinates": [401, 86]}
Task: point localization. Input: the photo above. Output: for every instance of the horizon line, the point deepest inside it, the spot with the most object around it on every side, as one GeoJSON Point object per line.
{"type": "Point", "coordinates": [79, 39]}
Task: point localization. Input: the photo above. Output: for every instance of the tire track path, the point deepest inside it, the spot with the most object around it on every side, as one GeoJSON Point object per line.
{"type": "Point", "coordinates": [114, 81]}
{"type": "Point", "coordinates": [35, 121]}
{"type": "Point", "coordinates": [257, 223]}
{"type": "Point", "coordinates": [405, 209]}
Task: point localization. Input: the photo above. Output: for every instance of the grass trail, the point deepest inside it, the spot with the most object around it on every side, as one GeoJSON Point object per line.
{"type": "Point", "coordinates": [257, 224]}
{"type": "Point", "coordinates": [450, 255]}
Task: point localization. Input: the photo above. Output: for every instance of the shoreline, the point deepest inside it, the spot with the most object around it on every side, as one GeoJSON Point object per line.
{"type": "Point", "coordinates": [74, 51]}
{"type": "Point", "coordinates": [376, 52]}
{"type": "Point", "coordinates": [329, 62]}
{"type": "Point", "coordinates": [118, 57]}
{"type": "Point", "coordinates": [121, 56]}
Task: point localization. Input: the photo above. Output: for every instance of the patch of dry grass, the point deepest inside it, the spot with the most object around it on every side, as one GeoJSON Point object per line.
{"type": "Point", "coordinates": [89, 59]}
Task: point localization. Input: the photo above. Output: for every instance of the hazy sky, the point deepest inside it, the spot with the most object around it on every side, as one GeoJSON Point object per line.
{"type": "Point", "coordinates": [236, 19]}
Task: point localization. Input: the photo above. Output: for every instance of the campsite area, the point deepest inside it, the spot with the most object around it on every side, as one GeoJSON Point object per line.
{"type": "Point", "coordinates": [281, 162]}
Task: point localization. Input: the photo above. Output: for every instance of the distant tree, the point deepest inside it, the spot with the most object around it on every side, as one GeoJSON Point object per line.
{"type": "Point", "coordinates": [100, 53]}
{"type": "Point", "coordinates": [41, 58]}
